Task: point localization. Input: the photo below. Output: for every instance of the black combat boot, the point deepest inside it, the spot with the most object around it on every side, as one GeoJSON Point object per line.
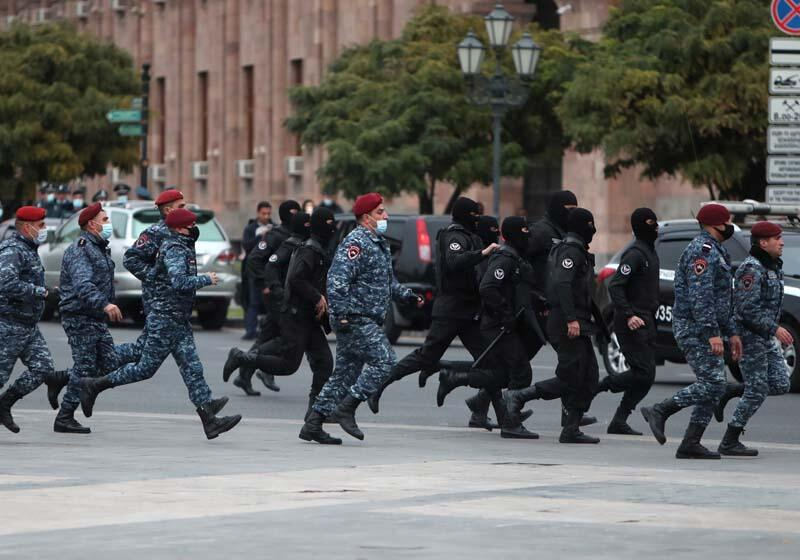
{"type": "Point", "coordinates": [55, 383]}
{"type": "Point", "coordinates": [479, 405]}
{"type": "Point", "coordinates": [212, 425]}
{"type": "Point", "coordinates": [619, 424]}
{"type": "Point", "coordinates": [345, 415]}
{"type": "Point", "coordinates": [656, 416]}
{"type": "Point", "coordinates": [586, 420]}
{"type": "Point", "coordinates": [501, 408]}
{"type": "Point", "coordinates": [65, 423]}
{"type": "Point", "coordinates": [731, 446]}
{"type": "Point", "coordinates": [691, 448]}
{"type": "Point", "coordinates": [424, 375]}
{"type": "Point", "coordinates": [90, 388]}
{"type": "Point", "coordinates": [245, 384]}
{"type": "Point", "coordinates": [449, 380]}
{"type": "Point", "coordinates": [312, 430]}
{"type": "Point", "coordinates": [516, 399]}
{"type": "Point", "coordinates": [268, 380]}
{"type": "Point", "coordinates": [732, 390]}
{"type": "Point", "coordinates": [571, 432]}
{"type": "Point", "coordinates": [233, 363]}
{"type": "Point", "coordinates": [216, 405]}
{"type": "Point", "coordinates": [374, 402]}
{"type": "Point", "coordinates": [7, 400]}
{"type": "Point", "coordinates": [312, 398]}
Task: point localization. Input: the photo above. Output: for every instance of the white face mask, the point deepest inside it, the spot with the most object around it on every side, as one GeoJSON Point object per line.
{"type": "Point", "coordinates": [77, 203]}
{"type": "Point", "coordinates": [41, 236]}
{"type": "Point", "coordinates": [122, 198]}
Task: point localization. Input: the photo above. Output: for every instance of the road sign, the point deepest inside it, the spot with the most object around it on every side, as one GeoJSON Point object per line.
{"type": "Point", "coordinates": [136, 102]}
{"type": "Point", "coordinates": [784, 81]}
{"type": "Point", "coordinates": [784, 51]}
{"type": "Point", "coordinates": [131, 130]}
{"type": "Point", "coordinates": [124, 116]}
{"type": "Point", "coordinates": [784, 170]}
{"type": "Point", "coordinates": [786, 15]}
{"type": "Point", "coordinates": [783, 139]}
{"type": "Point", "coordinates": [784, 110]}
{"type": "Point", "coordinates": [783, 195]}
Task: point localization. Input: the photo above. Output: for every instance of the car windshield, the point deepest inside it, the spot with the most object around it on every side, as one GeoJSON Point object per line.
{"type": "Point", "coordinates": [209, 229]}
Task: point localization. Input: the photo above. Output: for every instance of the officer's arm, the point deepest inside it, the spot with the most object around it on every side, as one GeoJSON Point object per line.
{"type": "Point", "coordinates": [341, 277]}
{"type": "Point", "coordinates": [401, 293]}
{"type": "Point", "coordinates": [249, 238]}
{"type": "Point", "coordinates": [178, 271]}
{"type": "Point", "coordinates": [491, 288]}
{"type": "Point", "coordinates": [140, 258]}
{"type": "Point", "coordinates": [299, 281]}
{"type": "Point", "coordinates": [747, 302]}
{"type": "Point", "coordinates": [563, 275]}
{"type": "Point", "coordinates": [256, 262]}
{"type": "Point", "coordinates": [700, 283]}
{"type": "Point", "coordinates": [539, 243]}
{"type": "Point", "coordinates": [10, 282]}
{"type": "Point", "coordinates": [79, 267]}
{"type": "Point", "coordinates": [456, 257]}
{"type": "Point", "coordinates": [272, 270]}
{"type": "Point", "coordinates": [631, 263]}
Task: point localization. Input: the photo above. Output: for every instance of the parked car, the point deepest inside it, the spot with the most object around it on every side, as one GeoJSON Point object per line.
{"type": "Point", "coordinates": [674, 236]}
{"type": "Point", "coordinates": [52, 224]}
{"type": "Point", "coordinates": [412, 240]}
{"type": "Point", "coordinates": [214, 254]}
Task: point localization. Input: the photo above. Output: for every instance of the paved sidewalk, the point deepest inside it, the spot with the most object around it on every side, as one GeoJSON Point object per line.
{"type": "Point", "coordinates": [150, 486]}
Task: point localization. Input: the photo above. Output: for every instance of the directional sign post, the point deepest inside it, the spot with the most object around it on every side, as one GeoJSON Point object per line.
{"type": "Point", "coordinates": [124, 116]}
{"type": "Point", "coordinates": [131, 130]}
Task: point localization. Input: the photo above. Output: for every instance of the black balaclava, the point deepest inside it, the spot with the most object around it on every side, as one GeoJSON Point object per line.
{"type": "Point", "coordinates": [463, 208]}
{"type": "Point", "coordinates": [319, 223]}
{"type": "Point", "coordinates": [641, 229]}
{"type": "Point", "coordinates": [556, 210]}
{"type": "Point", "coordinates": [301, 225]}
{"type": "Point", "coordinates": [285, 211]}
{"type": "Point", "coordinates": [581, 221]}
{"type": "Point", "coordinates": [513, 233]}
{"type": "Point", "coordinates": [488, 230]}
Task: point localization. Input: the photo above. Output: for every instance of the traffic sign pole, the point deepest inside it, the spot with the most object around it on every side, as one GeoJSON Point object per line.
{"type": "Point", "coordinates": [145, 110]}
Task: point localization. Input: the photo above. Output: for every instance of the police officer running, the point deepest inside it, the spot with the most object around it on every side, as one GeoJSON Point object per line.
{"type": "Point", "coordinates": [702, 317]}
{"type": "Point", "coordinates": [174, 283]}
{"type": "Point", "coordinates": [757, 299]}
{"type": "Point", "coordinates": [22, 296]}
{"type": "Point", "coordinates": [634, 293]}
{"type": "Point", "coordinates": [361, 284]}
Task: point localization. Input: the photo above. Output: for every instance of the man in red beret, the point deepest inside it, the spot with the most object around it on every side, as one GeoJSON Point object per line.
{"type": "Point", "coordinates": [702, 319]}
{"type": "Point", "coordinates": [757, 299]}
{"type": "Point", "coordinates": [22, 297]}
{"type": "Point", "coordinates": [168, 330]}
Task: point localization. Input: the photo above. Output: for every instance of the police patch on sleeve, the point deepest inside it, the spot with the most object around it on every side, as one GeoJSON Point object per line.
{"type": "Point", "coordinates": [699, 266]}
{"type": "Point", "coordinates": [262, 245]}
{"type": "Point", "coordinates": [142, 240]}
{"type": "Point", "coordinates": [567, 263]}
{"type": "Point", "coordinates": [747, 281]}
{"type": "Point", "coordinates": [499, 273]}
{"type": "Point", "coordinates": [706, 247]}
{"type": "Point", "coordinates": [625, 269]}
{"type": "Point", "coordinates": [455, 246]}
{"type": "Point", "coordinates": [353, 251]}
{"type": "Point", "coordinates": [273, 258]}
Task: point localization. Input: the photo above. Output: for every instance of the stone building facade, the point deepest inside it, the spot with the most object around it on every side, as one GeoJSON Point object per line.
{"type": "Point", "coordinates": [220, 72]}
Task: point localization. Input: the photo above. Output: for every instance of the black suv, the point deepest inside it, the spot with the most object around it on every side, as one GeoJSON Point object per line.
{"type": "Point", "coordinates": [673, 238]}
{"type": "Point", "coordinates": [412, 240]}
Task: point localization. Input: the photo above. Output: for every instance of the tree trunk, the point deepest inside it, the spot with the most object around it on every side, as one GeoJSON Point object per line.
{"type": "Point", "coordinates": [453, 197]}
{"type": "Point", "coordinates": [426, 198]}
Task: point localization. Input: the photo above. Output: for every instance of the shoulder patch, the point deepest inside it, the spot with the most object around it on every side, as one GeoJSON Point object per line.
{"type": "Point", "coordinates": [455, 246]}
{"type": "Point", "coordinates": [772, 275]}
{"type": "Point", "coordinates": [567, 263]}
{"type": "Point", "coordinates": [273, 257]}
{"type": "Point", "coordinates": [699, 266]}
{"type": "Point", "coordinates": [747, 281]}
{"type": "Point", "coordinates": [707, 247]}
{"type": "Point", "coordinates": [81, 242]}
{"type": "Point", "coordinates": [262, 245]}
{"type": "Point", "coordinates": [353, 251]}
{"type": "Point", "coordinates": [625, 269]}
{"type": "Point", "coordinates": [499, 273]}
{"type": "Point", "coordinates": [142, 240]}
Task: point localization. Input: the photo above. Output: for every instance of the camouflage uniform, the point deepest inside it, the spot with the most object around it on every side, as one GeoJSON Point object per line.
{"type": "Point", "coordinates": [173, 283]}
{"type": "Point", "coordinates": [758, 295]}
{"type": "Point", "coordinates": [86, 288]}
{"type": "Point", "coordinates": [22, 295]}
{"type": "Point", "coordinates": [361, 284]}
{"type": "Point", "coordinates": [703, 309]}
{"type": "Point", "coordinates": [140, 260]}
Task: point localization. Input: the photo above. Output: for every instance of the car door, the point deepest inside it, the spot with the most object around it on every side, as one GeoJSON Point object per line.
{"type": "Point", "coordinates": [53, 253]}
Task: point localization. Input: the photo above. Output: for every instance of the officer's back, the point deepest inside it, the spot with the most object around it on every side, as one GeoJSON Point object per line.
{"type": "Point", "coordinates": [86, 283]}
{"type": "Point", "coordinates": [569, 288]}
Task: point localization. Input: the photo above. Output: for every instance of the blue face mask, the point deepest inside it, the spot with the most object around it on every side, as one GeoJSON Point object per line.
{"type": "Point", "coordinates": [122, 198]}
{"type": "Point", "coordinates": [51, 197]}
{"type": "Point", "coordinates": [107, 230]}
{"type": "Point", "coordinates": [381, 226]}
{"type": "Point", "coordinates": [77, 203]}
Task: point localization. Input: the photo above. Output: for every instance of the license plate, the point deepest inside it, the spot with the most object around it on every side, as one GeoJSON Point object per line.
{"type": "Point", "coordinates": [664, 314]}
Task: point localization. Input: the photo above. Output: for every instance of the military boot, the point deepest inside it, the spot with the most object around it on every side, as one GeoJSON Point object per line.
{"type": "Point", "coordinates": [501, 408]}
{"type": "Point", "coordinates": [233, 363]}
{"type": "Point", "coordinates": [65, 423]}
{"type": "Point", "coordinates": [345, 415]}
{"type": "Point", "coordinates": [449, 380]}
{"type": "Point", "coordinates": [731, 446]}
{"type": "Point", "coordinates": [619, 424]}
{"type": "Point", "coordinates": [691, 448]}
{"type": "Point", "coordinates": [374, 401]}
{"type": "Point", "coordinates": [424, 375]}
{"type": "Point", "coordinates": [7, 400]}
{"type": "Point", "coordinates": [732, 390]}
{"type": "Point", "coordinates": [479, 405]}
{"type": "Point", "coordinates": [268, 380]}
{"type": "Point", "coordinates": [656, 416]}
{"type": "Point", "coordinates": [516, 399]}
{"type": "Point", "coordinates": [586, 420]}
{"type": "Point", "coordinates": [91, 387]}
{"type": "Point", "coordinates": [571, 432]}
{"type": "Point", "coordinates": [55, 383]}
{"type": "Point", "coordinates": [312, 398]}
{"type": "Point", "coordinates": [216, 405]}
{"type": "Point", "coordinates": [312, 430]}
{"type": "Point", "coordinates": [245, 384]}
{"type": "Point", "coordinates": [212, 425]}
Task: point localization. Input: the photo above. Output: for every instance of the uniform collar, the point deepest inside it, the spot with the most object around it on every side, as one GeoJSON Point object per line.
{"type": "Point", "coordinates": [765, 259]}
{"type": "Point", "coordinates": [576, 239]}
{"type": "Point", "coordinates": [374, 235]}
{"type": "Point", "coordinates": [29, 242]}
{"type": "Point", "coordinates": [506, 248]}
{"type": "Point", "coordinates": [555, 226]}
{"type": "Point", "coordinates": [96, 239]}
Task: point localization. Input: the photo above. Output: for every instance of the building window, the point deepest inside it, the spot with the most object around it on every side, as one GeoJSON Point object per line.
{"type": "Point", "coordinates": [249, 112]}
{"type": "Point", "coordinates": [161, 116]}
{"type": "Point", "coordinates": [297, 80]}
{"type": "Point", "coordinates": [202, 109]}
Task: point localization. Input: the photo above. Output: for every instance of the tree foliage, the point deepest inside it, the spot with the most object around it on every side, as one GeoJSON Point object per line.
{"type": "Point", "coordinates": [56, 86]}
{"type": "Point", "coordinates": [678, 87]}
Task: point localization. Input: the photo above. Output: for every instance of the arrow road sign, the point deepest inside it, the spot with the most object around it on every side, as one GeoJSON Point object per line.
{"type": "Point", "coordinates": [124, 116]}
{"type": "Point", "coordinates": [784, 51]}
{"type": "Point", "coordinates": [784, 110]}
{"type": "Point", "coordinates": [131, 130]}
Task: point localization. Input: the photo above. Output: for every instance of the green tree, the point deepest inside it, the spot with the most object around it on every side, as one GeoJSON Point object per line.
{"type": "Point", "coordinates": [56, 86]}
{"type": "Point", "coordinates": [678, 87]}
{"type": "Point", "coordinates": [393, 115]}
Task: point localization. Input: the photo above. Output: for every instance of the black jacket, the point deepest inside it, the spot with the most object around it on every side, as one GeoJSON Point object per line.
{"type": "Point", "coordinates": [569, 289]}
{"type": "Point", "coordinates": [634, 287]}
{"type": "Point", "coordinates": [458, 253]}
{"type": "Point", "coordinates": [505, 288]}
{"type": "Point", "coordinates": [257, 259]}
{"type": "Point", "coordinates": [306, 279]}
{"type": "Point", "coordinates": [544, 234]}
{"type": "Point", "coordinates": [277, 266]}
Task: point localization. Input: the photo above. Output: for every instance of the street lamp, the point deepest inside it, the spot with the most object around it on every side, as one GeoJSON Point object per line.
{"type": "Point", "coordinates": [500, 91]}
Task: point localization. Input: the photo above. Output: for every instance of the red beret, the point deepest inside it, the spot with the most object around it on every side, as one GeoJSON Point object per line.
{"type": "Point", "coordinates": [169, 196]}
{"type": "Point", "coordinates": [765, 229]}
{"type": "Point", "coordinates": [31, 214]}
{"type": "Point", "coordinates": [88, 213]}
{"type": "Point", "coordinates": [179, 218]}
{"type": "Point", "coordinates": [366, 203]}
{"type": "Point", "coordinates": [713, 215]}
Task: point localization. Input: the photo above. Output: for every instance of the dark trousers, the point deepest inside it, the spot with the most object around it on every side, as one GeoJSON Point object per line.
{"type": "Point", "coordinates": [639, 353]}
{"type": "Point", "coordinates": [255, 306]}
{"type": "Point", "coordinates": [508, 364]}
{"type": "Point", "coordinates": [577, 373]}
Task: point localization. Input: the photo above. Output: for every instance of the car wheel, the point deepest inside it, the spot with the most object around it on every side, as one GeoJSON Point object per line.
{"type": "Point", "coordinates": [390, 326]}
{"type": "Point", "coordinates": [613, 358]}
{"type": "Point", "coordinates": [790, 357]}
{"type": "Point", "coordinates": [213, 319]}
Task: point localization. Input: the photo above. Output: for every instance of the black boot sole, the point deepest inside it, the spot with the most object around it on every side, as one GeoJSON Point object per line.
{"type": "Point", "coordinates": [225, 427]}
{"type": "Point", "coordinates": [732, 453]}
{"type": "Point", "coordinates": [649, 416]}
{"type": "Point", "coordinates": [622, 430]}
{"type": "Point", "coordinates": [514, 435]}
{"type": "Point", "coordinates": [310, 436]}
{"type": "Point", "coordinates": [579, 440]}
{"type": "Point", "coordinates": [68, 430]}
{"type": "Point", "coordinates": [692, 456]}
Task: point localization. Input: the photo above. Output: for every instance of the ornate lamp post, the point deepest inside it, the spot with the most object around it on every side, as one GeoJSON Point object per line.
{"type": "Point", "coordinates": [500, 91]}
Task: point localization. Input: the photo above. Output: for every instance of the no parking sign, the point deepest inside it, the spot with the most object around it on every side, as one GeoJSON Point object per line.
{"type": "Point", "coordinates": [786, 15]}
